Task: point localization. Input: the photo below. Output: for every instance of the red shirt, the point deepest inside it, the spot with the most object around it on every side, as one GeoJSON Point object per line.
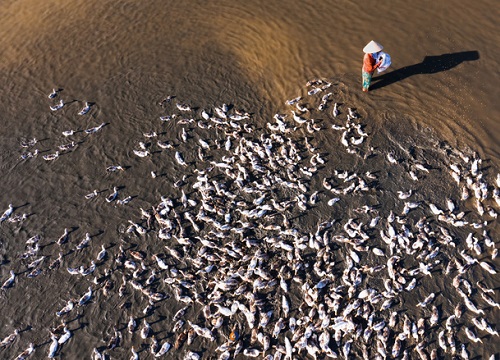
{"type": "Point", "coordinates": [369, 63]}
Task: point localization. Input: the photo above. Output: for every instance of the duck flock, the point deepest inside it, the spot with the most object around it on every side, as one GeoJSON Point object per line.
{"type": "Point", "coordinates": [265, 248]}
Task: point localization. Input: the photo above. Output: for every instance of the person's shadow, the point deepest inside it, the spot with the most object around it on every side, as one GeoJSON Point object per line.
{"type": "Point", "coordinates": [430, 65]}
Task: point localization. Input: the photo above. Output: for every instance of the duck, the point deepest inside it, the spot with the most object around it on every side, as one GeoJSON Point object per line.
{"type": "Point", "coordinates": [125, 201]}
{"type": "Point", "coordinates": [163, 350]}
{"type": "Point", "coordinates": [146, 330]}
{"type": "Point", "coordinates": [112, 197]}
{"type": "Point", "coordinates": [335, 111]}
{"type": "Point", "coordinates": [10, 281]}
{"type": "Point", "coordinates": [293, 101]}
{"type": "Point", "coordinates": [298, 119]}
{"type": "Point", "coordinates": [85, 109]}
{"type": "Point", "coordinates": [9, 339]}
{"type": "Point", "coordinates": [26, 353]}
{"type": "Point", "coordinates": [183, 107]}
{"type": "Point", "coordinates": [7, 213]}
{"type": "Point", "coordinates": [404, 195]}
{"type": "Point", "coordinates": [141, 153]}
{"type": "Point", "coordinates": [95, 129]}
{"type": "Point", "coordinates": [86, 297]}
{"type": "Point", "coordinates": [58, 106]}
{"type": "Point", "coordinates": [66, 309]}
{"type": "Point", "coordinates": [51, 157]}
{"type": "Point", "coordinates": [65, 336]}
{"type": "Point", "coordinates": [66, 147]}
{"type": "Point", "coordinates": [54, 346]}
{"type": "Point", "coordinates": [205, 115]}
{"type": "Point", "coordinates": [53, 94]}
{"type": "Point", "coordinates": [180, 159]}
{"type": "Point", "coordinates": [113, 168]}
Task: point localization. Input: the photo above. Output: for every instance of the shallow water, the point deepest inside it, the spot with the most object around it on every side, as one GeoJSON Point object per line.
{"type": "Point", "coordinates": [128, 57]}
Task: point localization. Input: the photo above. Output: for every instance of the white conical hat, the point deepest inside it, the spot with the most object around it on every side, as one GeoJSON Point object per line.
{"type": "Point", "coordinates": [372, 47]}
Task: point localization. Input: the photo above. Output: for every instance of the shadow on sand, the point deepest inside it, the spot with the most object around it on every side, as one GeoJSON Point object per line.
{"type": "Point", "coordinates": [430, 65]}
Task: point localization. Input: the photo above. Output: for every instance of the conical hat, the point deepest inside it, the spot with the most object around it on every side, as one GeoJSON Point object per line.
{"type": "Point", "coordinates": [372, 47]}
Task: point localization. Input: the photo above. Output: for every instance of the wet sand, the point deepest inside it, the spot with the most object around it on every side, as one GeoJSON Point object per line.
{"type": "Point", "coordinates": [126, 58]}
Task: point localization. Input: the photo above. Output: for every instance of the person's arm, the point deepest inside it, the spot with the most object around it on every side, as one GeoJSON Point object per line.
{"type": "Point", "coordinates": [378, 64]}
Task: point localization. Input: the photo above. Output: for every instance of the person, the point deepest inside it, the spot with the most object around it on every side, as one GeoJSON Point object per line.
{"type": "Point", "coordinates": [370, 63]}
